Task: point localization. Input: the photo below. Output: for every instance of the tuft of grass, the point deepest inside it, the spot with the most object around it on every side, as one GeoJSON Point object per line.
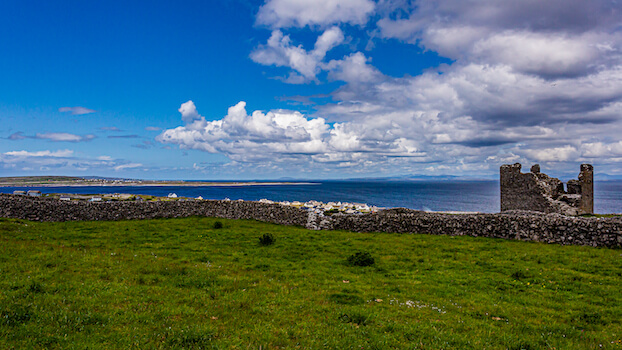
{"type": "Point", "coordinates": [361, 259]}
{"type": "Point", "coordinates": [15, 315]}
{"type": "Point", "coordinates": [35, 287]}
{"type": "Point", "coordinates": [267, 239]}
{"type": "Point", "coordinates": [346, 299]}
{"type": "Point", "coordinates": [519, 275]}
{"type": "Point", "coordinates": [218, 225]}
{"type": "Point", "coordinates": [355, 318]}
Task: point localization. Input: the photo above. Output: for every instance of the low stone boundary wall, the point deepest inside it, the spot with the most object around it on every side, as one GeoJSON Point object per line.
{"type": "Point", "coordinates": [517, 225]}
{"type": "Point", "coordinates": [49, 209]}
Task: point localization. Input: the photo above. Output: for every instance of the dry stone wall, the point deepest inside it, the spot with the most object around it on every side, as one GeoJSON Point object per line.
{"type": "Point", "coordinates": [48, 209]}
{"type": "Point", "coordinates": [516, 225]}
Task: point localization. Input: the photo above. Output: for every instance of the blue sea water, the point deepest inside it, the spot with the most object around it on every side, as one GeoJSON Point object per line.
{"type": "Point", "coordinates": [479, 196]}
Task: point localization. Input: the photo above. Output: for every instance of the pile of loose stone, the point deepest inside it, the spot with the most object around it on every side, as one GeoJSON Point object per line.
{"type": "Point", "coordinates": [319, 207]}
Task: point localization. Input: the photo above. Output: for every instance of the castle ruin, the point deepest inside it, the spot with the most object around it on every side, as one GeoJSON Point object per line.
{"type": "Point", "coordinates": [536, 191]}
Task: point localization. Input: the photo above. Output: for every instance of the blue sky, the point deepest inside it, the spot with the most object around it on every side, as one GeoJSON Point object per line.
{"type": "Point", "coordinates": [308, 89]}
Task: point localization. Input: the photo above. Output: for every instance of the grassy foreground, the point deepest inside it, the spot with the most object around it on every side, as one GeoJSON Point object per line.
{"type": "Point", "coordinates": [184, 284]}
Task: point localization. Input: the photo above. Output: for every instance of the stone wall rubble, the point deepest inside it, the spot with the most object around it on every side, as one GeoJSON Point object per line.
{"type": "Point", "coordinates": [515, 225]}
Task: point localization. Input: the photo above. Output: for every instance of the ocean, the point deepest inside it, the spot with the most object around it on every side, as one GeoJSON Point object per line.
{"type": "Point", "coordinates": [476, 196]}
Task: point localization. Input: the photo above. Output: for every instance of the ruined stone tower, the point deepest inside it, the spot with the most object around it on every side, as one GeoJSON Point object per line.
{"type": "Point", "coordinates": [538, 192]}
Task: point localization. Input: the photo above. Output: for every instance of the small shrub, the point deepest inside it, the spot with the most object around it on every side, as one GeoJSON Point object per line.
{"type": "Point", "coordinates": [218, 225]}
{"type": "Point", "coordinates": [262, 267]}
{"type": "Point", "coordinates": [519, 275]}
{"type": "Point", "coordinates": [267, 239]}
{"type": "Point", "coordinates": [346, 299]}
{"type": "Point", "coordinates": [355, 318]}
{"type": "Point", "coordinates": [15, 316]}
{"type": "Point", "coordinates": [35, 287]}
{"type": "Point", "coordinates": [411, 336]}
{"type": "Point", "coordinates": [587, 318]}
{"type": "Point", "coordinates": [361, 259]}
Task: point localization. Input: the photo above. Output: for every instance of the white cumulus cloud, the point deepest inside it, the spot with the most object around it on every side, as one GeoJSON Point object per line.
{"type": "Point", "coordinates": [76, 110]}
{"type": "Point", "coordinates": [284, 136]}
{"type": "Point", "coordinates": [127, 166]}
{"type": "Point", "coordinates": [64, 137]}
{"type": "Point", "coordinates": [300, 13]}
{"type": "Point", "coordinates": [281, 52]}
{"type": "Point", "coordinates": [557, 154]}
{"type": "Point", "coordinates": [353, 69]}
{"type": "Point", "coordinates": [47, 153]}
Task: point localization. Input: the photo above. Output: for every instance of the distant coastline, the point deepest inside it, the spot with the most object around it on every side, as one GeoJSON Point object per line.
{"type": "Point", "coordinates": [155, 184]}
{"type": "Point", "coordinates": [71, 181]}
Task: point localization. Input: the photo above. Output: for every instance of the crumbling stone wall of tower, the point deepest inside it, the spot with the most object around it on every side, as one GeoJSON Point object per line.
{"type": "Point", "coordinates": [538, 192]}
{"type": "Point", "coordinates": [586, 179]}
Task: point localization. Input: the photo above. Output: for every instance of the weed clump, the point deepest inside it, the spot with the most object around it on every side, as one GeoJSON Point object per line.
{"type": "Point", "coordinates": [35, 287]}
{"type": "Point", "coordinates": [587, 318]}
{"type": "Point", "coordinates": [267, 239]}
{"type": "Point", "coordinates": [15, 316]}
{"type": "Point", "coordinates": [346, 299]}
{"type": "Point", "coordinates": [354, 318]}
{"type": "Point", "coordinates": [361, 259]}
{"type": "Point", "coordinates": [519, 275]}
{"type": "Point", "coordinates": [218, 225]}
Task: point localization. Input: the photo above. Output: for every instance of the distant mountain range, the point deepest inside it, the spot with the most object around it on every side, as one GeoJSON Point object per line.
{"type": "Point", "coordinates": [431, 178]}
{"type": "Point", "coordinates": [607, 177]}
{"type": "Point", "coordinates": [492, 177]}
{"type": "Point", "coordinates": [406, 178]}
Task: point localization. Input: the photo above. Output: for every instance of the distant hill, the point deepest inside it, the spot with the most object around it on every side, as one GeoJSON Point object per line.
{"type": "Point", "coordinates": [427, 178]}
{"type": "Point", "coordinates": [28, 180]}
{"type": "Point", "coordinates": [606, 177]}
{"type": "Point", "coordinates": [56, 180]}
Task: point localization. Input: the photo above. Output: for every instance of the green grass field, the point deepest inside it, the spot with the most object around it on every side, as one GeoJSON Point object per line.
{"type": "Point", "coordinates": [184, 284]}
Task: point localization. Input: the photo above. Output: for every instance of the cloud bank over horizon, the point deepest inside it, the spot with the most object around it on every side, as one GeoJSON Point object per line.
{"type": "Point", "coordinates": [528, 82]}
{"type": "Point", "coordinates": [61, 159]}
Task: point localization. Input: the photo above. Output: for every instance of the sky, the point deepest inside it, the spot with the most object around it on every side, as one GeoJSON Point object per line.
{"type": "Point", "coordinates": [309, 89]}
